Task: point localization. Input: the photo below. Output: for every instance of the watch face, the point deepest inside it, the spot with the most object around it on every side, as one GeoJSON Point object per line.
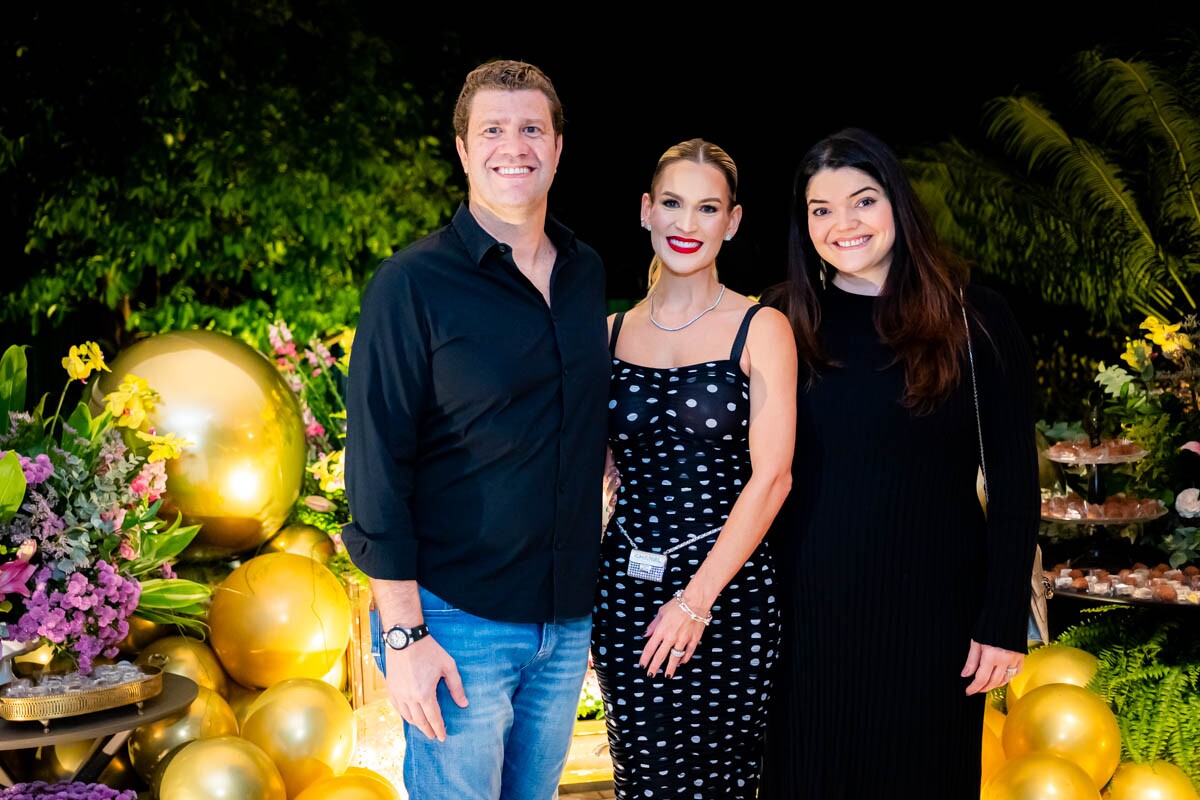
{"type": "Point", "coordinates": [396, 638]}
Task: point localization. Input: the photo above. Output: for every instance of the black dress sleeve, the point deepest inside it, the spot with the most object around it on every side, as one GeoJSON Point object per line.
{"type": "Point", "coordinates": [1006, 387]}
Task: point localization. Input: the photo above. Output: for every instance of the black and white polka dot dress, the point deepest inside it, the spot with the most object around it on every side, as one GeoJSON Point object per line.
{"type": "Point", "coordinates": [680, 438]}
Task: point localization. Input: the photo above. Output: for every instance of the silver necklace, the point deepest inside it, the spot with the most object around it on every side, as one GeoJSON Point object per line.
{"type": "Point", "coordinates": [669, 329]}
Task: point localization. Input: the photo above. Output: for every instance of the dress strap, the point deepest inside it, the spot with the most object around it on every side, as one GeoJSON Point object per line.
{"type": "Point", "coordinates": [612, 340]}
{"type": "Point", "coordinates": [739, 341]}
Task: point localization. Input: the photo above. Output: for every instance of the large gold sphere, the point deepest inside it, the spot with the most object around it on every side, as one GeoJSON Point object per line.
{"type": "Point", "coordinates": [240, 699]}
{"type": "Point", "coordinates": [1161, 780]}
{"type": "Point", "coordinates": [1039, 776]}
{"type": "Point", "coordinates": [207, 717]}
{"type": "Point", "coordinates": [1067, 721]}
{"type": "Point", "coordinates": [993, 720]}
{"type": "Point", "coordinates": [992, 755]}
{"type": "Point", "coordinates": [141, 633]}
{"type": "Point", "coordinates": [226, 767]}
{"type": "Point", "coordinates": [242, 474]}
{"type": "Point", "coordinates": [353, 784]}
{"type": "Point", "coordinates": [306, 726]}
{"type": "Point", "coordinates": [1052, 663]}
{"type": "Point", "coordinates": [279, 616]}
{"type": "Point", "coordinates": [303, 540]}
{"type": "Point", "coordinates": [188, 657]}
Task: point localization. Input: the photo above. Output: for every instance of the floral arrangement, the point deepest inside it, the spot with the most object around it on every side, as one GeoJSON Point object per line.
{"type": "Point", "coordinates": [317, 376]}
{"type": "Point", "coordinates": [82, 547]}
{"type": "Point", "coordinates": [69, 790]}
{"type": "Point", "coordinates": [1151, 398]}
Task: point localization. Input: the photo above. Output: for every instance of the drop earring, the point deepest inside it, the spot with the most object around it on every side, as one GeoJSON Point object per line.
{"type": "Point", "coordinates": [822, 271]}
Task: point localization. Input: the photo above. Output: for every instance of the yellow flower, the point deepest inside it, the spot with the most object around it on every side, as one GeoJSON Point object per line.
{"type": "Point", "coordinates": [1137, 354]}
{"type": "Point", "coordinates": [164, 447]}
{"type": "Point", "coordinates": [1168, 337]}
{"type": "Point", "coordinates": [346, 340]}
{"type": "Point", "coordinates": [131, 402]}
{"type": "Point", "coordinates": [329, 471]}
{"type": "Point", "coordinates": [84, 359]}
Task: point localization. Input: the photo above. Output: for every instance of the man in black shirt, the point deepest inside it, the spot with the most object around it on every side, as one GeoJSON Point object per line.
{"type": "Point", "coordinates": [475, 453]}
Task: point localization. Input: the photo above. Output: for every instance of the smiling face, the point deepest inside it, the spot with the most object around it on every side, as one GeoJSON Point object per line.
{"type": "Point", "coordinates": [851, 224]}
{"type": "Point", "coordinates": [690, 214]}
{"type": "Point", "coordinates": [510, 153]}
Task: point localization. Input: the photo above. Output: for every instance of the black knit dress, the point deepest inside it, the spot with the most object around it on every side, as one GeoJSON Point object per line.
{"type": "Point", "coordinates": [680, 438]}
{"type": "Point", "coordinates": [888, 568]}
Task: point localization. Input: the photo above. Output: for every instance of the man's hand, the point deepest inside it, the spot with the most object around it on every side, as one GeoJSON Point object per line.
{"type": "Point", "coordinates": [412, 679]}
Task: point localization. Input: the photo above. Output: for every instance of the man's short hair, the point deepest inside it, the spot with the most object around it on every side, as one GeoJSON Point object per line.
{"type": "Point", "coordinates": [510, 76]}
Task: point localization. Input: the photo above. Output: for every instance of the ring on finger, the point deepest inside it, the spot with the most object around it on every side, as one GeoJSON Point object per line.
{"type": "Point", "coordinates": [1011, 671]}
{"type": "Point", "coordinates": [678, 653]}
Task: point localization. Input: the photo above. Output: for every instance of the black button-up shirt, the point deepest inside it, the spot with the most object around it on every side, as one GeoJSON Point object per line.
{"type": "Point", "coordinates": [476, 425]}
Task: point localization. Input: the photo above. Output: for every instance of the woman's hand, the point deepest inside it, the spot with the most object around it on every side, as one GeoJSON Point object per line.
{"type": "Point", "coordinates": [991, 666]}
{"type": "Point", "coordinates": [671, 639]}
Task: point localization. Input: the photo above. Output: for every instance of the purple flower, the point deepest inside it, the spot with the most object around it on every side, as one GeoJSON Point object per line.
{"type": "Point", "coordinates": [36, 469]}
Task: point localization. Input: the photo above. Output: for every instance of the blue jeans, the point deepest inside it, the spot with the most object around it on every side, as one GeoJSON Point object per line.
{"type": "Point", "coordinates": [523, 683]}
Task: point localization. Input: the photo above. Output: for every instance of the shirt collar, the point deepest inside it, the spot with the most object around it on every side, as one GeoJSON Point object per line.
{"type": "Point", "coordinates": [479, 242]}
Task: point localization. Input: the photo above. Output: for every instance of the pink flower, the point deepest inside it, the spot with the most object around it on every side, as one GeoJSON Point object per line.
{"type": "Point", "coordinates": [113, 518]}
{"type": "Point", "coordinates": [151, 482]}
{"type": "Point", "coordinates": [1192, 446]}
{"type": "Point", "coordinates": [14, 577]}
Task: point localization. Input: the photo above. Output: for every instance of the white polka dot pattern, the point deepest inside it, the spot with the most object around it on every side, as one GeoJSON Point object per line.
{"type": "Point", "coordinates": [680, 439]}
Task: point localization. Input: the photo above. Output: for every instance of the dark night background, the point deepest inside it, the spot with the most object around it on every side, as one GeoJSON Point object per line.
{"type": "Point", "coordinates": [761, 86]}
{"type": "Point", "coordinates": [765, 90]}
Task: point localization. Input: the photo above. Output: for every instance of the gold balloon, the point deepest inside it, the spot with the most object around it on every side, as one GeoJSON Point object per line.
{"type": "Point", "coordinates": [188, 657]}
{"type": "Point", "coordinates": [208, 716]}
{"type": "Point", "coordinates": [303, 540]}
{"type": "Point", "coordinates": [279, 616]}
{"type": "Point", "coordinates": [222, 767]}
{"type": "Point", "coordinates": [1068, 721]}
{"type": "Point", "coordinates": [58, 762]}
{"type": "Point", "coordinates": [141, 633]}
{"type": "Point", "coordinates": [242, 473]}
{"type": "Point", "coordinates": [336, 677]}
{"type": "Point", "coordinates": [992, 756]}
{"type": "Point", "coordinates": [356, 785]}
{"type": "Point", "coordinates": [1161, 780]}
{"type": "Point", "coordinates": [307, 728]}
{"type": "Point", "coordinates": [1052, 663]}
{"type": "Point", "coordinates": [240, 699]}
{"type": "Point", "coordinates": [1039, 776]}
{"type": "Point", "coordinates": [993, 720]}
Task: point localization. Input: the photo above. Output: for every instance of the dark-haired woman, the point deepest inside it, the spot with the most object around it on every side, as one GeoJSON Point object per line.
{"type": "Point", "coordinates": [904, 604]}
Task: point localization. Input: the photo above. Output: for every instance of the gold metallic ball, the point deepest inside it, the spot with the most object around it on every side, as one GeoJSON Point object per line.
{"type": "Point", "coordinates": [279, 616]}
{"type": "Point", "coordinates": [1068, 721]}
{"type": "Point", "coordinates": [303, 540]}
{"type": "Point", "coordinates": [208, 716]}
{"type": "Point", "coordinates": [993, 720]}
{"type": "Point", "coordinates": [1039, 776]}
{"type": "Point", "coordinates": [240, 699]}
{"type": "Point", "coordinates": [992, 755]}
{"type": "Point", "coordinates": [221, 767]}
{"type": "Point", "coordinates": [1160, 780]}
{"type": "Point", "coordinates": [58, 762]}
{"type": "Point", "coordinates": [188, 657]}
{"type": "Point", "coordinates": [242, 473]}
{"type": "Point", "coordinates": [306, 726]}
{"type": "Point", "coordinates": [141, 633]}
{"type": "Point", "coordinates": [353, 784]}
{"type": "Point", "coordinates": [1052, 663]}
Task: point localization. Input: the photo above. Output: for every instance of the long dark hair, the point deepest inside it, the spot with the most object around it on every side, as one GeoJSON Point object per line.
{"type": "Point", "coordinates": [918, 313]}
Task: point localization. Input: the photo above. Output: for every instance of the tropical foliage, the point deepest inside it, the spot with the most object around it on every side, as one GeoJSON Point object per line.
{"type": "Point", "coordinates": [243, 161]}
{"type": "Point", "coordinates": [1084, 197]}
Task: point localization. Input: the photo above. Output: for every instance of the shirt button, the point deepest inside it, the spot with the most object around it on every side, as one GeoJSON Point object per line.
{"type": "Point", "coordinates": [503, 249]}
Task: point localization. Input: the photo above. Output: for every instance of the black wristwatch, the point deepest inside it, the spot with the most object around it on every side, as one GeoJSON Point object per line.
{"type": "Point", "coordinates": [399, 638]}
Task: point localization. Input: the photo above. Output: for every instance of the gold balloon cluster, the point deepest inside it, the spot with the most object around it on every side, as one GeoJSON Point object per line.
{"type": "Point", "coordinates": [1053, 663]}
{"type": "Point", "coordinates": [306, 727]}
{"type": "Point", "coordinates": [279, 616]}
{"type": "Point", "coordinates": [356, 783]}
{"type": "Point", "coordinates": [221, 767]}
{"type": "Point", "coordinates": [191, 658]}
{"type": "Point", "coordinates": [209, 716]}
{"type": "Point", "coordinates": [1160, 780]}
{"type": "Point", "coordinates": [242, 473]}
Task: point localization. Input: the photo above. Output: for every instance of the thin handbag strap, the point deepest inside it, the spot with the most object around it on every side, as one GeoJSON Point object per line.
{"type": "Point", "coordinates": [974, 393]}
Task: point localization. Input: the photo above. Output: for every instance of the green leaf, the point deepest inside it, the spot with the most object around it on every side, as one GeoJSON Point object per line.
{"type": "Point", "coordinates": [175, 594]}
{"type": "Point", "coordinates": [13, 368]}
{"type": "Point", "coordinates": [12, 486]}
